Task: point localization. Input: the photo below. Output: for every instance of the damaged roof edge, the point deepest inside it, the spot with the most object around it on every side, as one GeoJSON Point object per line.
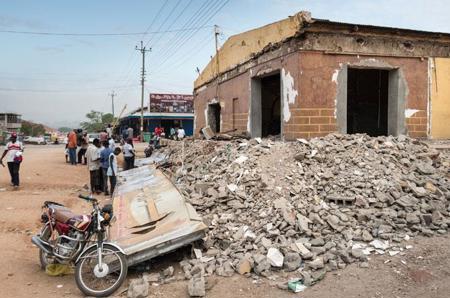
{"type": "Point", "coordinates": [304, 24]}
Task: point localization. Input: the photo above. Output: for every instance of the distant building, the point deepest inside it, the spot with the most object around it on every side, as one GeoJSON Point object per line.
{"type": "Point", "coordinates": [10, 122]}
{"type": "Point", "coordinates": [166, 110]}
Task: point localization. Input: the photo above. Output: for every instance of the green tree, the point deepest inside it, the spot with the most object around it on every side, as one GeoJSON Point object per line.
{"type": "Point", "coordinates": [64, 129]}
{"type": "Point", "coordinates": [97, 121]}
{"type": "Point", "coordinates": [32, 129]}
{"type": "Point", "coordinates": [108, 118]}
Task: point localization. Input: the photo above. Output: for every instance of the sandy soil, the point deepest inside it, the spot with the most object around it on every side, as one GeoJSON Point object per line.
{"type": "Point", "coordinates": [423, 271]}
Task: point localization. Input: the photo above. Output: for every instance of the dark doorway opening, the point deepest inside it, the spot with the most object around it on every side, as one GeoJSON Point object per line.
{"type": "Point", "coordinates": [367, 101]}
{"type": "Point", "coordinates": [214, 117]}
{"type": "Point", "coordinates": [270, 105]}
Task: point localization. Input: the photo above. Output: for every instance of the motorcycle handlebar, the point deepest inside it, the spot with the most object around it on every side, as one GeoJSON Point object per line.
{"type": "Point", "coordinates": [90, 199]}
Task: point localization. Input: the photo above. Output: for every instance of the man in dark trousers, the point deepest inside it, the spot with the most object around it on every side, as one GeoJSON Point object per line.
{"type": "Point", "coordinates": [13, 152]}
{"type": "Point", "coordinates": [93, 162]}
{"type": "Point", "coordinates": [104, 163]}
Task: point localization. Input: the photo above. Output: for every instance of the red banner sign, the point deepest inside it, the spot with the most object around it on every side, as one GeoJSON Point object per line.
{"type": "Point", "coordinates": [171, 103]}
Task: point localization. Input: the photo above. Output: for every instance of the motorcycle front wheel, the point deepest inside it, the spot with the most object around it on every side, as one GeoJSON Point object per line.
{"type": "Point", "coordinates": [100, 282]}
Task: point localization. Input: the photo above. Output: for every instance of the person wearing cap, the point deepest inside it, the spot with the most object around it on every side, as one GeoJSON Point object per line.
{"type": "Point", "coordinates": [13, 152]}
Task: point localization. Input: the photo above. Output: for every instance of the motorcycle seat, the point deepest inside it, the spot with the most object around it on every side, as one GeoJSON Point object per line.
{"type": "Point", "coordinates": [62, 214]}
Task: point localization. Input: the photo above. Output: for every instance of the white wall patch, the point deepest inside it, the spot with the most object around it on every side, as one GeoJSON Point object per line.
{"type": "Point", "coordinates": [410, 112]}
{"type": "Point", "coordinates": [334, 77]}
{"type": "Point", "coordinates": [289, 93]}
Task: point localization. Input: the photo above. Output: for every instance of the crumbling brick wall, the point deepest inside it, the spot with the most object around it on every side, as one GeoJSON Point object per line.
{"type": "Point", "coordinates": [313, 112]}
{"type": "Point", "coordinates": [309, 123]}
{"type": "Point", "coordinates": [417, 124]}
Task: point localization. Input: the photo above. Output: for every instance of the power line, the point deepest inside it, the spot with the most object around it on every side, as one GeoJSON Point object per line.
{"type": "Point", "coordinates": [166, 19]}
{"type": "Point", "coordinates": [183, 41]}
{"type": "Point", "coordinates": [209, 14]}
{"type": "Point", "coordinates": [56, 90]}
{"type": "Point", "coordinates": [131, 66]}
{"type": "Point", "coordinates": [193, 51]}
{"type": "Point", "coordinates": [174, 20]}
{"type": "Point", "coordinates": [101, 34]}
{"type": "Point", "coordinates": [164, 22]}
{"type": "Point", "coordinates": [195, 17]}
{"type": "Point", "coordinates": [156, 17]}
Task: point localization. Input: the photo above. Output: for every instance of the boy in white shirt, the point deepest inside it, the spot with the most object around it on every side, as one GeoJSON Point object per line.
{"type": "Point", "coordinates": [112, 169]}
{"type": "Point", "coordinates": [129, 154]}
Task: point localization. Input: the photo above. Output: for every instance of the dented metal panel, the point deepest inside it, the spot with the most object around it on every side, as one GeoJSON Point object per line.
{"type": "Point", "coordinates": [157, 157]}
{"type": "Point", "coordinates": [151, 215]}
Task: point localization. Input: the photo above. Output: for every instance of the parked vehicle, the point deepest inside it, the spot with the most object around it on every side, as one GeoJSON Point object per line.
{"type": "Point", "coordinates": [34, 140]}
{"type": "Point", "coordinates": [93, 136]}
{"type": "Point", "coordinates": [68, 238]}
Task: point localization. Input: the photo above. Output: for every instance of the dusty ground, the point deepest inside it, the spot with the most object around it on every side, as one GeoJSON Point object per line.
{"type": "Point", "coordinates": [423, 271]}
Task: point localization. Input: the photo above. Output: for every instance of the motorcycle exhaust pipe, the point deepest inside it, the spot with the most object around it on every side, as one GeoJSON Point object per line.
{"type": "Point", "coordinates": [38, 242]}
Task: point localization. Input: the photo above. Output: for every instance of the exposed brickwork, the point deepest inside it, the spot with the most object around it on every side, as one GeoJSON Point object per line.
{"type": "Point", "coordinates": [417, 124]}
{"type": "Point", "coordinates": [310, 123]}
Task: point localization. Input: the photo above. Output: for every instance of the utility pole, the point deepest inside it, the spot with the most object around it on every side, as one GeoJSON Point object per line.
{"type": "Point", "coordinates": [112, 101]}
{"type": "Point", "coordinates": [143, 50]}
{"type": "Point", "coordinates": [216, 39]}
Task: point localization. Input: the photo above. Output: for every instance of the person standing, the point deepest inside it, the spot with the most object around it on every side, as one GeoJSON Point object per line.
{"type": "Point", "coordinates": [72, 146]}
{"type": "Point", "coordinates": [13, 150]}
{"type": "Point", "coordinates": [112, 169]}
{"type": "Point", "coordinates": [84, 145]}
{"type": "Point", "coordinates": [130, 132]}
{"type": "Point", "coordinates": [158, 131]}
{"type": "Point", "coordinates": [128, 154]}
{"type": "Point", "coordinates": [124, 136]}
{"type": "Point", "coordinates": [112, 144]}
{"type": "Point", "coordinates": [181, 133]}
{"type": "Point", "coordinates": [109, 130]}
{"type": "Point", "coordinates": [93, 162]}
{"type": "Point", "coordinates": [104, 164]}
{"type": "Point", "coordinates": [103, 136]}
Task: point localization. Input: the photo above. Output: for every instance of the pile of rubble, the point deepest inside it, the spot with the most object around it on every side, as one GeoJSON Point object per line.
{"type": "Point", "coordinates": [309, 207]}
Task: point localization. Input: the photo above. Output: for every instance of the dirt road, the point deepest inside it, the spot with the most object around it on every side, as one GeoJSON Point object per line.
{"type": "Point", "coordinates": [423, 271]}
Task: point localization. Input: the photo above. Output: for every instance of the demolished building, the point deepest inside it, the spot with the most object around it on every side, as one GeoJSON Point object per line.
{"type": "Point", "coordinates": [303, 77]}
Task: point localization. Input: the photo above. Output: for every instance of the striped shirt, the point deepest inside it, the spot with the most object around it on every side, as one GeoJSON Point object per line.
{"type": "Point", "coordinates": [12, 149]}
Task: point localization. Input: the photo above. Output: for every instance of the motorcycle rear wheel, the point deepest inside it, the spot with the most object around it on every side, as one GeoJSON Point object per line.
{"type": "Point", "coordinates": [87, 274]}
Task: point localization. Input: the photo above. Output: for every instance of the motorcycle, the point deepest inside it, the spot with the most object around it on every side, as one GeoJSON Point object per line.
{"type": "Point", "coordinates": [80, 240]}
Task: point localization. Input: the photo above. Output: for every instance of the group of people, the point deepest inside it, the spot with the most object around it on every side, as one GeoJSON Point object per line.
{"type": "Point", "coordinates": [76, 146]}
{"type": "Point", "coordinates": [177, 133]}
{"type": "Point", "coordinates": [101, 157]}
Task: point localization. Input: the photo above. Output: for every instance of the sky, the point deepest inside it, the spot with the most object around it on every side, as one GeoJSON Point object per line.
{"type": "Point", "coordinates": [57, 79]}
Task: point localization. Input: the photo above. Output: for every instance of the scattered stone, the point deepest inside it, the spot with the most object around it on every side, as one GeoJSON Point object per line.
{"type": "Point", "coordinates": [152, 277]}
{"type": "Point", "coordinates": [316, 263]}
{"type": "Point", "coordinates": [292, 261]}
{"type": "Point", "coordinates": [138, 288]}
{"type": "Point", "coordinates": [196, 286]}
{"type": "Point", "coordinates": [275, 257]}
{"type": "Point", "coordinates": [244, 266]}
{"type": "Point", "coordinates": [168, 272]}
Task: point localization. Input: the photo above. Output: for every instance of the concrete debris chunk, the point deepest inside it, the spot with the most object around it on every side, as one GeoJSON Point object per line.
{"type": "Point", "coordinates": [244, 266]}
{"type": "Point", "coordinates": [138, 288]}
{"type": "Point", "coordinates": [275, 257]}
{"type": "Point", "coordinates": [196, 286]}
{"type": "Point", "coordinates": [380, 244]}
